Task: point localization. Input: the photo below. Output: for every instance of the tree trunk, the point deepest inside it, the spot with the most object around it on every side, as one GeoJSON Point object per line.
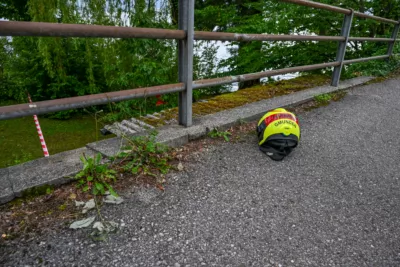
{"type": "Point", "coordinates": [174, 11]}
{"type": "Point", "coordinates": [245, 10]}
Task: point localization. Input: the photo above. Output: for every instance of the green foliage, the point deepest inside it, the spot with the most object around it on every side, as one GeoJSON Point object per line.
{"type": "Point", "coordinates": [216, 134]}
{"type": "Point", "coordinates": [53, 67]}
{"type": "Point", "coordinates": [144, 155]}
{"type": "Point", "coordinates": [18, 159]}
{"type": "Point", "coordinates": [137, 107]}
{"type": "Point", "coordinates": [61, 115]}
{"type": "Point", "coordinates": [278, 17]}
{"type": "Point", "coordinates": [95, 176]}
{"type": "Point", "coordinates": [14, 10]}
{"type": "Point", "coordinates": [207, 65]}
{"type": "Point", "coordinates": [49, 190]}
{"type": "Point", "coordinates": [376, 68]}
{"type": "Point", "coordinates": [37, 191]}
{"type": "Point", "coordinates": [323, 98]}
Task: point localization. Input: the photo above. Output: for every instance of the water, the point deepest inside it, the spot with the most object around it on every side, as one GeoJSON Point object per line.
{"type": "Point", "coordinates": [223, 53]}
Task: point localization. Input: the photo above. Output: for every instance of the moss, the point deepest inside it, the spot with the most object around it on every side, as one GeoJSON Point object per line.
{"type": "Point", "coordinates": [32, 193]}
{"type": "Point", "coordinates": [339, 95]}
{"type": "Point", "coordinates": [323, 99]}
{"type": "Point", "coordinates": [37, 191]}
{"type": "Point", "coordinates": [16, 202]}
{"type": "Point", "coordinates": [62, 207]}
{"type": "Point", "coordinates": [257, 93]}
{"type": "Point", "coordinates": [336, 96]}
{"type": "Point", "coordinates": [244, 96]}
{"type": "Point", "coordinates": [377, 80]}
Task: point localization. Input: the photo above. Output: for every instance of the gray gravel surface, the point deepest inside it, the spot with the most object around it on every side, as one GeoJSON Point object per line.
{"type": "Point", "coordinates": [335, 201]}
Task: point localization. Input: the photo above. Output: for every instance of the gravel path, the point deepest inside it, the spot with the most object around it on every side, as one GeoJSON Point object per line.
{"type": "Point", "coordinates": [335, 201]}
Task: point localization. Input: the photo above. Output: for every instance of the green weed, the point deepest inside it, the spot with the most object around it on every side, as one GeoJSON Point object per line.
{"type": "Point", "coordinates": [323, 98]}
{"type": "Point", "coordinates": [216, 134]}
{"type": "Point", "coordinates": [96, 176]}
{"type": "Point", "coordinates": [37, 191]}
{"type": "Point", "coordinates": [144, 155]}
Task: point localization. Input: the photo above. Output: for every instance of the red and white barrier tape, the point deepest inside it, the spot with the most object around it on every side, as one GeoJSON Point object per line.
{"type": "Point", "coordinates": [39, 131]}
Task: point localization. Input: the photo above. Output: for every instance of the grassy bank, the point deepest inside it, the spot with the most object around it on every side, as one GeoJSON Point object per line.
{"type": "Point", "coordinates": [19, 141]}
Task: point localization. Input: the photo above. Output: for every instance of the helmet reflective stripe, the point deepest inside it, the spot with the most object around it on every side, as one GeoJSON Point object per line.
{"type": "Point", "coordinates": [280, 113]}
{"type": "Point", "coordinates": [279, 116]}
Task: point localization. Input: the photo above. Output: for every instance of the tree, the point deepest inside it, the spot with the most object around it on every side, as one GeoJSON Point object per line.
{"type": "Point", "coordinates": [277, 17]}
{"type": "Point", "coordinates": [61, 67]}
{"type": "Point", "coordinates": [14, 10]}
{"type": "Point", "coordinates": [54, 67]}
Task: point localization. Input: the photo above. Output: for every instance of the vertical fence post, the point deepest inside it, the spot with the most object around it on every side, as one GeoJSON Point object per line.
{"type": "Point", "coordinates": [346, 26]}
{"type": "Point", "coordinates": [185, 50]}
{"type": "Point", "coordinates": [394, 36]}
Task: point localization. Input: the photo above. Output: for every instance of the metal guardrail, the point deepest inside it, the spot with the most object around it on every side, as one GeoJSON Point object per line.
{"type": "Point", "coordinates": [44, 29]}
{"type": "Point", "coordinates": [43, 107]}
{"type": "Point", "coordinates": [252, 76]}
{"type": "Point", "coordinates": [350, 61]}
{"type": "Point", "coordinates": [185, 36]}
{"type": "Point", "coordinates": [339, 10]}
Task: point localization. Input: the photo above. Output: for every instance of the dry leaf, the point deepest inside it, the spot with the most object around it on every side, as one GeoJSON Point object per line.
{"type": "Point", "coordinates": [82, 223]}
{"type": "Point", "coordinates": [160, 187]}
{"type": "Point", "coordinates": [180, 167]}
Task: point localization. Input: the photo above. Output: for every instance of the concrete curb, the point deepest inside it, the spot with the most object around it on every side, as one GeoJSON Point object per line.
{"type": "Point", "coordinates": [176, 135]}
{"type": "Point", "coordinates": [54, 169]}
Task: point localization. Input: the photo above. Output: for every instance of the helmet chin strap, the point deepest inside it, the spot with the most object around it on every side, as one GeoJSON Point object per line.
{"type": "Point", "coordinates": [277, 153]}
{"type": "Point", "coordinates": [274, 153]}
{"type": "Point", "coordinates": [284, 148]}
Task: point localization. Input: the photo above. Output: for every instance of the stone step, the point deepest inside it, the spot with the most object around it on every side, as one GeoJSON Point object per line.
{"type": "Point", "coordinates": [133, 126]}
{"type": "Point", "coordinates": [151, 117]}
{"type": "Point", "coordinates": [112, 129]}
{"type": "Point", "coordinates": [141, 123]}
{"type": "Point", "coordinates": [128, 127]}
{"type": "Point", "coordinates": [119, 129]}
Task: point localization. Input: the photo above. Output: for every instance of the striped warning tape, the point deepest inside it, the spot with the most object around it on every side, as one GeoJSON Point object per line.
{"type": "Point", "coordinates": [39, 131]}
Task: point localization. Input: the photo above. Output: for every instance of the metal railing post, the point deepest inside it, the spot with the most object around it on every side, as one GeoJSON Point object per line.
{"type": "Point", "coordinates": [346, 26]}
{"type": "Point", "coordinates": [185, 50]}
{"type": "Point", "coordinates": [394, 36]}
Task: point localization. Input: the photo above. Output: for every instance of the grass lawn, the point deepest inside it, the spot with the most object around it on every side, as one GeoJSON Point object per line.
{"type": "Point", "coordinates": [19, 141]}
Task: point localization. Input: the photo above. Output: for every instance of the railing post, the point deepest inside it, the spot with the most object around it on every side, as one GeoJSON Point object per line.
{"type": "Point", "coordinates": [346, 26]}
{"type": "Point", "coordinates": [394, 36]}
{"type": "Point", "coordinates": [185, 50]}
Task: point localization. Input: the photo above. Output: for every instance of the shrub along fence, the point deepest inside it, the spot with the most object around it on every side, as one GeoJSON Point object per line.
{"type": "Point", "coordinates": [185, 36]}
